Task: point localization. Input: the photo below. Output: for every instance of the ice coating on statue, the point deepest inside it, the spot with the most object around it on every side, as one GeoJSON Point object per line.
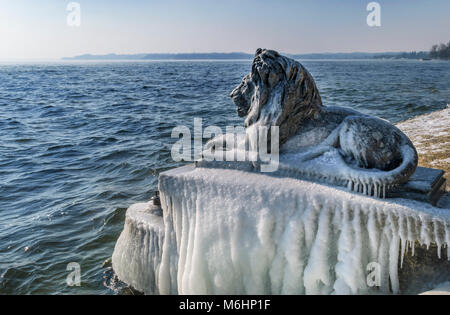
{"type": "Point", "coordinates": [234, 232]}
{"type": "Point", "coordinates": [373, 156]}
{"type": "Point", "coordinates": [322, 164]}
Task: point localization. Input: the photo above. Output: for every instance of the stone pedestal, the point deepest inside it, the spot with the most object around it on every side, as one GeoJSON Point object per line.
{"type": "Point", "coordinates": [229, 231]}
{"type": "Point", "coordinates": [426, 184]}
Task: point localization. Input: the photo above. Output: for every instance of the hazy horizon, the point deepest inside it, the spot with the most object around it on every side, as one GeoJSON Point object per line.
{"type": "Point", "coordinates": [31, 31]}
{"type": "Point", "coordinates": [212, 52]}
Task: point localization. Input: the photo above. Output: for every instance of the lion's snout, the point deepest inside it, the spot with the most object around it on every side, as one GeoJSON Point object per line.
{"type": "Point", "coordinates": [240, 101]}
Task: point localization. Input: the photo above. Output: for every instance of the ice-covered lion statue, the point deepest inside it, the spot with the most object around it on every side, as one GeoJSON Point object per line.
{"type": "Point", "coordinates": [279, 91]}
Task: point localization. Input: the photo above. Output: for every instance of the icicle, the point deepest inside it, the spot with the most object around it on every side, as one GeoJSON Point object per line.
{"type": "Point", "coordinates": [447, 240]}
{"type": "Point", "coordinates": [350, 185]}
{"type": "Point", "coordinates": [425, 233]}
{"type": "Point", "coordinates": [403, 236]}
{"type": "Point", "coordinates": [384, 191]}
{"type": "Point", "coordinates": [317, 276]}
{"type": "Point", "coordinates": [383, 260]}
{"type": "Point", "coordinates": [393, 263]}
{"type": "Point", "coordinates": [373, 230]}
{"type": "Point", "coordinates": [437, 237]}
{"type": "Point", "coordinates": [402, 251]}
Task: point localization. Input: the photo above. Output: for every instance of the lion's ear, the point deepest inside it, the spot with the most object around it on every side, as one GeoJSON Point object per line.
{"type": "Point", "coordinates": [258, 51]}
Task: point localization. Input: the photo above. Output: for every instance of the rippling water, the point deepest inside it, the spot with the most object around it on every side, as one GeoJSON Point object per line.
{"type": "Point", "coordinates": [80, 142]}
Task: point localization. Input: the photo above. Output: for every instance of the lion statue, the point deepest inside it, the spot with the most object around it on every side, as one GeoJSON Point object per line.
{"type": "Point", "coordinates": [279, 91]}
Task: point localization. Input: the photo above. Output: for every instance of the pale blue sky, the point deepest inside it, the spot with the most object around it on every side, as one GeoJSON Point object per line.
{"type": "Point", "coordinates": [37, 29]}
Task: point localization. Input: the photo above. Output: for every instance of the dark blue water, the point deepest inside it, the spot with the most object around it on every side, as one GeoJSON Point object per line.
{"type": "Point", "coordinates": [81, 142]}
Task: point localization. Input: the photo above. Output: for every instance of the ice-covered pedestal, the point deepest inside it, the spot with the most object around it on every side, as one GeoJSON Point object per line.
{"type": "Point", "coordinates": [228, 231]}
{"type": "Point", "coordinates": [138, 250]}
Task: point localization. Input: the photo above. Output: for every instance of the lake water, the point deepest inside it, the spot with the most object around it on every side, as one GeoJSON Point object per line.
{"type": "Point", "coordinates": [80, 142]}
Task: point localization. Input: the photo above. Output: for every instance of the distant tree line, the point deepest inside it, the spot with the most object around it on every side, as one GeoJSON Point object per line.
{"type": "Point", "coordinates": [441, 51]}
{"type": "Point", "coordinates": [414, 55]}
{"type": "Point", "coordinates": [404, 55]}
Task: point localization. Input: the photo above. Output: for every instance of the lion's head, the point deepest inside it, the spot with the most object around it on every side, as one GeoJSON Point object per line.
{"type": "Point", "coordinates": [278, 91]}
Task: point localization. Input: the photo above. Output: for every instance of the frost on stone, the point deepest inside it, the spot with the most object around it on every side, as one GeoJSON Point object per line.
{"type": "Point", "coordinates": [371, 156]}
{"type": "Point", "coordinates": [137, 254]}
{"type": "Point", "coordinates": [234, 232]}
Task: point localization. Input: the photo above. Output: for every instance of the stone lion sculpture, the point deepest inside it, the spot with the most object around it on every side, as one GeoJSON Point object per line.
{"type": "Point", "coordinates": [279, 91]}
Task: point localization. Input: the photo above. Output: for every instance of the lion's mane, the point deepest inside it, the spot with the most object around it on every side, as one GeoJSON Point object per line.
{"type": "Point", "coordinates": [283, 93]}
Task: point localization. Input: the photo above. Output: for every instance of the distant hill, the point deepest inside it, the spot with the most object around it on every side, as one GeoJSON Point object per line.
{"type": "Point", "coordinates": [352, 55]}
{"type": "Point", "coordinates": [245, 56]}
{"type": "Point", "coordinates": [198, 56]}
{"type": "Point", "coordinates": [162, 56]}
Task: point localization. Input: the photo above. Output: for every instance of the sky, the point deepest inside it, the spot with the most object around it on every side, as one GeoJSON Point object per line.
{"type": "Point", "coordinates": [38, 29]}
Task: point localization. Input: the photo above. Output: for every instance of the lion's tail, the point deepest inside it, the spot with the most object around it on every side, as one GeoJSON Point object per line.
{"type": "Point", "coordinates": [379, 183]}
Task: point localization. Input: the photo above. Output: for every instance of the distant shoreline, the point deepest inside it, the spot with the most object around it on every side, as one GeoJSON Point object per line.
{"type": "Point", "coordinates": [74, 61]}
{"type": "Point", "coordinates": [244, 56]}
